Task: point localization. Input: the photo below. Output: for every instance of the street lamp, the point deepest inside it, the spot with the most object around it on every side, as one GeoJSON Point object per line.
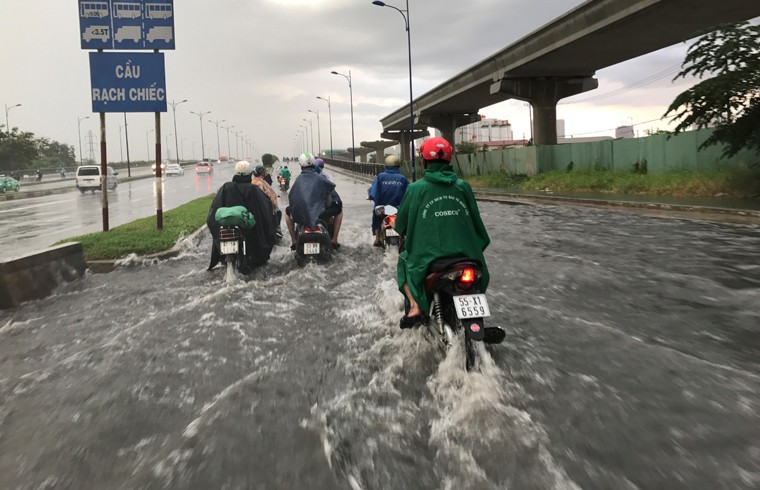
{"type": "Point", "coordinates": [237, 150]}
{"type": "Point", "coordinates": [312, 133]}
{"type": "Point", "coordinates": [182, 147]}
{"type": "Point", "coordinates": [405, 15]}
{"type": "Point", "coordinates": [174, 112]}
{"type": "Point", "coordinates": [7, 110]}
{"type": "Point", "coordinates": [229, 151]}
{"type": "Point", "coordinates": [168, 153]}
{"type": "Point", "coordinates": [305, 136]}
{"type": "Point", "coordinates": [329, 112]}
{"type": "Point", "coordinates": [351, 94]}
{"type": "Point", "coordinates": [121, 150]}
{"type": "Point", "coordinates": [218, 148]}
{"type": "Point", "coordinates": [79, 132]}
{"type": "Point", "coordinates": [200, 116]}
{"type": "Point", "coordinates": [319, 131]}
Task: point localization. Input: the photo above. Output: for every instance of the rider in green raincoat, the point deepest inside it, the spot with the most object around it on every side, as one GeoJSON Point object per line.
{"type": "Point", "coordinates": [439, 218]}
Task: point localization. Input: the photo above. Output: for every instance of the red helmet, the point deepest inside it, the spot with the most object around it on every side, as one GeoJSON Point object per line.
{"type": "Point", "coordinates": [436, 149]}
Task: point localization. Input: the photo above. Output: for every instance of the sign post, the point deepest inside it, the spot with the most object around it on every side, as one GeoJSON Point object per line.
{"type": "Point", "coordinates": [127, 81]}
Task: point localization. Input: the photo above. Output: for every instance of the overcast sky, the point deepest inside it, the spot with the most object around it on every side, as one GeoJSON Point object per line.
{"type": "Point", "coordinates": [259, 65]}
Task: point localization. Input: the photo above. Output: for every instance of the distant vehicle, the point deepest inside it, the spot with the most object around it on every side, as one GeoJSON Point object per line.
{"type": "Point", "coordinates": [88, 178]}
{"type": "Point", "coordinates": [128, 33]}
{"type": "Point", "coordinates": [175, 169]}
{"type": "Point", "coordinates": [8, 183]}
{"type": "Point", "coordinates": [204, 168]}
{"type": "Point", "coordinates": [163, 167]}
{"type": "Point", "coordinates": [163, 33]}
{"type": "Point", "coordinates": [102, 33]}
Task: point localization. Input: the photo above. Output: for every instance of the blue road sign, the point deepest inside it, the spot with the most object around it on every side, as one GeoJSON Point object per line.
{"type": "Point", "coordinates": [126, 24]}
{"type": "Point", "coordinates": [128, 82]}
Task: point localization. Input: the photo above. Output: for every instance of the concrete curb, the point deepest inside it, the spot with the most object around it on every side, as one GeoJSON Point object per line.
{"type": "Point", "coordinates": [24, 194]}
{"type": "Point", "coordinates": [106, 266]}
{"type": "Point", "coordinates": [35, 276]}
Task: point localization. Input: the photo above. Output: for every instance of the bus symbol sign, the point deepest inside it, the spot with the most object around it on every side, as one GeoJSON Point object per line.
{"type": "Point", "coordinates": [126, 24]}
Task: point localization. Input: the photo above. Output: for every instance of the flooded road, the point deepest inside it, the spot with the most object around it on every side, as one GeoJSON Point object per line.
{"type": "Point", "coordinates": [34, 224]}
{"type": "Point", "coordinates": [631, 362]}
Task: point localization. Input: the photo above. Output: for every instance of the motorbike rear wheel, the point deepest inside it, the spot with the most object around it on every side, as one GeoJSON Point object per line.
{"type": "Point", "coordinates": [470, 354]}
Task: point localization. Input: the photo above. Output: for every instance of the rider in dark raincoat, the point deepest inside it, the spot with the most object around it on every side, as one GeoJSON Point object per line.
{"type": "Point", "coordinates": [241, 192]}
{"type": "Point", "coordinates": [310, 197]}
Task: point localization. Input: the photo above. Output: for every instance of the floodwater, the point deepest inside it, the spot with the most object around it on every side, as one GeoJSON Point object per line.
{"type": "Point", "coordinates": [631, 362]}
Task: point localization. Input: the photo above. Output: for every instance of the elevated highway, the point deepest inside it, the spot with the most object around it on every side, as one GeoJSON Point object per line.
{"type": "Point", "coordinates": [560, 59]}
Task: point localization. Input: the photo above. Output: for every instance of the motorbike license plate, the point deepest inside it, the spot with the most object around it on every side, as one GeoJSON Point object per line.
{"type": "Point", "coordinates": [230, 247]}
{"type": "Point", "coordinates": [311, 248]}
{"type": "Point", "coordinates": [471, 306]}
{"type": "Point", "coordinates": [390, 232]}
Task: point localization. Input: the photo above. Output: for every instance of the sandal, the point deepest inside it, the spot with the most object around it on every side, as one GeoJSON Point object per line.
{"type": "Point", "coordinates": [412, 321]}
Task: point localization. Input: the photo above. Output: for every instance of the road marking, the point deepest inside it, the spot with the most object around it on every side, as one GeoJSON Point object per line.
{"type": "Point", "coordinates": [22, 208]}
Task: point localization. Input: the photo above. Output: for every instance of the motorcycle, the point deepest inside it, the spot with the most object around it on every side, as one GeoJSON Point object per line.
{"type": "Point", "coordinates": [458, 306]}
{"type": "Point", "coordinates": [284, 183]}
{"type": "Point", "coordinates": [232, 249]}
{"type": "Point", "coordinates": [313, 243]}
{"type": "Point", "coordinates": [388, 235]}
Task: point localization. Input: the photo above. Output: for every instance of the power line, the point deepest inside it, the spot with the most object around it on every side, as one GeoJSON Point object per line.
{"type": "Point", "coordinates": [627, 88]}
{"type": "Point", "coordinates": [612, 129]}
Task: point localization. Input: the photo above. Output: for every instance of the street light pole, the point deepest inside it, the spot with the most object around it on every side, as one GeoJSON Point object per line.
{"type": "Point", "coordinates": [182, 147]}
{"type": "Point", "coordinates": [329, 113]}
{"type": "Point", "coordinates": [218, 148]}
{"type": "Point", "coordinates": [174, 112]}
{"type": "Point", "coordinates": [168, 153]}
{"type": "Point", "coordinates": [79, 132]}
{"type": "Point", "coordinates": [405, 15]}
{"type": "Point", "coordinates": [7, 110]}
{"type": "Point", "coordinates": [121, 151]}
{"type": "Point", "coordinates": [126, 143]}
{"type": "Point", "coordinates": [237, 150]}
{"type": "Point", "coordinates": [311, 124]}
{"type": "Point", "coordinates": [229, 151]}
{"type": "Point", "coordinates": [200, 116]}
{"type": "Point", "coordinates": [319, 131]}
{"type": "Point", "coordinates": [351, 95]}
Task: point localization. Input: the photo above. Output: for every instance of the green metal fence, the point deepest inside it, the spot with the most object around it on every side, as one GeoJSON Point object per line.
{"type": "Point", "coordinates": [660, 153]}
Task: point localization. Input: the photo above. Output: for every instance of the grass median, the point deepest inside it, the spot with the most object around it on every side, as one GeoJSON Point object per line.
{"type": "Point", "coordinates": [141, 236]}
{"type": "Point", "coordinates": [729, 182]}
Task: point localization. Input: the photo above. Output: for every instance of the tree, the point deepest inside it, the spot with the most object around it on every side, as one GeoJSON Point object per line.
{"type": "Point", "coordinates": [268, 159]}
{"type": "Point", "coordinates": [466, 147]}
{"type": "Point", "coordinates": [730, 98]}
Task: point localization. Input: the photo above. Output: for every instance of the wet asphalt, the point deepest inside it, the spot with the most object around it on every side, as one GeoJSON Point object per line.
{"type": "Point", "coordinates": [631, 361]}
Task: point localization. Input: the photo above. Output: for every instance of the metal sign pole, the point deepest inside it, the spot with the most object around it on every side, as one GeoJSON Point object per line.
{"type": "Point", "coordinates": [104, 170]}
{"type": "Point", "coordinates": [159, 190]}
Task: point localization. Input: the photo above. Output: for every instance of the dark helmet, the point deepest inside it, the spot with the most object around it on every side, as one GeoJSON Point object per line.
{"type": "Point", "coordinates": [259, 171]}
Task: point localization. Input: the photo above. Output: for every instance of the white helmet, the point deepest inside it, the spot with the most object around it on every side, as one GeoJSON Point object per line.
{"type": "Point", "coordinates": [243, 168]}
{"type": "Point", "coordinates": [392, 161]}
{"type": "Point", "coordinates": [306, 160]}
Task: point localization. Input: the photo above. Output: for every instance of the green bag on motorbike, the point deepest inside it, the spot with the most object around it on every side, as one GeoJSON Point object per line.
{"type": "Point", "coordinates": [235, 216]}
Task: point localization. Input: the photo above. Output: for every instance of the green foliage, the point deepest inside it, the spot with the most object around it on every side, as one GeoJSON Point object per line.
{"type": "Point", "coordinates": [466, 147]}
{"type": "Point", "coordinates": [268, 159]}
{"type": "Point", "coordinates": [730, 97]}
{"type": "Point", "coordinates": [141, 236]}
{"type": "Point", "coordinates": [23, 150]}
{"type": "Point", "coordinates": [734, 182]}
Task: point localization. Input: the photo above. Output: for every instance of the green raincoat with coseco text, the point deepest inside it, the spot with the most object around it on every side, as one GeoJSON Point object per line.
{"type": "Point", "coordinates": [440, 219]}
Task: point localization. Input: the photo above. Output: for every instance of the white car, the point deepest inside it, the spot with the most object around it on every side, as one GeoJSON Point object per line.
{"type": "Point", "coordinates": [174, 169]}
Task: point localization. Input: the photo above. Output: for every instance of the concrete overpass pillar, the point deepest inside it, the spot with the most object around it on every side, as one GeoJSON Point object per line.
{"type": "Point", "coordinates": [447, 124]}
{"type": "Point", "coordinates": [403, 138]}
{"type": "Point", "coordinates": [362, 152]}
{"type": "Point", "coordinates": [379, 147]}
{"type": "Point", "coordinates": [543, 94]}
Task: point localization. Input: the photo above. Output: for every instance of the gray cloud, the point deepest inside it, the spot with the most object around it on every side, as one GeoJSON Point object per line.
{"type": "Point", "coordinates": [259, 65]}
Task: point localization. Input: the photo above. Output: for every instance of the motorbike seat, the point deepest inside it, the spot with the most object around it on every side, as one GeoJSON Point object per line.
{"type": "Point", "coordinates": [442, 265]}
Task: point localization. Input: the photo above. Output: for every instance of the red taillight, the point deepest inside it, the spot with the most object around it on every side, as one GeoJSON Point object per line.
{"type": "Point", "coordinates": [468, 276]}
{"type": "Point", "coordinates": [391, 220]}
